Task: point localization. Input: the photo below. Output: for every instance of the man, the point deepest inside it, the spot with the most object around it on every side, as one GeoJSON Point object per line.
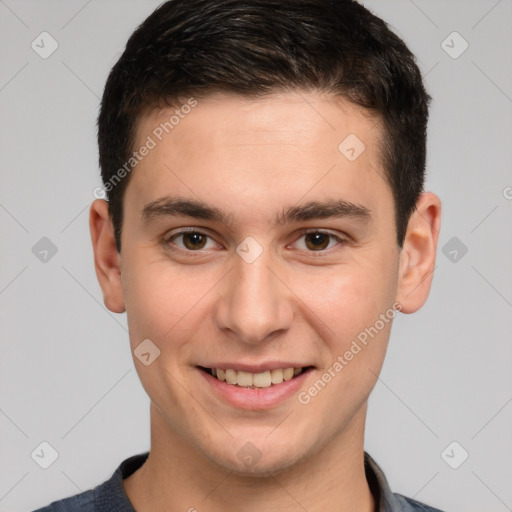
{"type": "Point", "coordinates": [264, 167]}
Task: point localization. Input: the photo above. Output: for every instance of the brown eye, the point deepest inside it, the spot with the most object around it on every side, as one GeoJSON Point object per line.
{"type": "Point", "coordinates": [191, 241]}
{"type": "Point", "coordinates": [317, 241]}
{"type": "Point", "coordinates": [194, 241]}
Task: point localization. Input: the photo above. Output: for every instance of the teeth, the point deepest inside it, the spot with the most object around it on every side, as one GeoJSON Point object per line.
{"type": "Point", "coordinates": [231, 376]}
{"type": "Point", "coordinates": [261, 380]}
{"type": "Point", "coordinates": [257, 380]}
{"type": "Point", "coordinates": [288, 374]}
{"type": "Point", "coordinates": [276, 376]}
{"type": "Point", "coordinates": [244, 379]}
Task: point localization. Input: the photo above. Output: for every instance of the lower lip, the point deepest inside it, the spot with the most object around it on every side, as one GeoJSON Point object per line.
{"type": "Point", "coordinates": [255, 398]}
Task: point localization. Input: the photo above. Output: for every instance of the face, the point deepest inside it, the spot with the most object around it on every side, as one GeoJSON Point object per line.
{"type": "Point", "coordinates": [257, 249]}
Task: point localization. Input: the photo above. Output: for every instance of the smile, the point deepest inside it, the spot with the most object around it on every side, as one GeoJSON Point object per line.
{"type": "Point", "coordinates": [264, 387]}
{"type": "Point", "coordinates": [254, 380]}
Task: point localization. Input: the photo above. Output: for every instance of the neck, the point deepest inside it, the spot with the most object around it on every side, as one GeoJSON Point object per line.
{"type": "Point", "coordinates": [177, 477]}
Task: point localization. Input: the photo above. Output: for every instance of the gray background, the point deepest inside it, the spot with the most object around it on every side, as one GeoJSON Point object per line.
{"type": "Point", "coordinates": [66, 372]}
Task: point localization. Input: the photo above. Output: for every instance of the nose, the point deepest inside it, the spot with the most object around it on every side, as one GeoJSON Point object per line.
{"type": "Point", "coordinates": [255, 305]}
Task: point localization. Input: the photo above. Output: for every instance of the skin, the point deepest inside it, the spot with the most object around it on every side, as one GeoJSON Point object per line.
{"type": "Point", "coordinates": [251, 159]}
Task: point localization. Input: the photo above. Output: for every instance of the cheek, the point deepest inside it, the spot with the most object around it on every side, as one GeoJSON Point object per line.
{"type": "Point", "coordinates": [350, 297]}
{"type": "Point", "coordinates": [356, 306]}
{"type": "Point", "coordinates": [162, 301]}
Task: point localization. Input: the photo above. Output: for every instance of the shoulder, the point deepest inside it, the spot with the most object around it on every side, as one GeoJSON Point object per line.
{"type": "Point", "coordinates": [84, 502]}
{"type": "Point", "coordinates": [109, 496]}
{"type": "Point", "coordinates": [410, 505]}
{"type": "Point", "coordinates": [387, 500]}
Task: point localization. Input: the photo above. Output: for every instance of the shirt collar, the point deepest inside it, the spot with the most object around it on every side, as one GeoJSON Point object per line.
{"type": "Point", "coordinates": [385, 499]}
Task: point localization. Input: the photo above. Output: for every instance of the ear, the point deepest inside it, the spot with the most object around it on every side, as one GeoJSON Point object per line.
{"type": "Point", "coordinates": [107, 260]}
{"type": "Point", "coordinates": [418, 254]}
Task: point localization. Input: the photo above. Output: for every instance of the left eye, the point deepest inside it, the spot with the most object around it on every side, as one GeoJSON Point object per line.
{"type": "Point", "coordinates": [318, 241]}
{"type": "Point", "coordinates": [191, 240]}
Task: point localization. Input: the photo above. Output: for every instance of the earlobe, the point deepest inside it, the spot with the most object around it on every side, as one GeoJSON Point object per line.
{"type": "Point", "coordinates": [106, 257]}
{"type": "Point", "coordinates": [418, 254]}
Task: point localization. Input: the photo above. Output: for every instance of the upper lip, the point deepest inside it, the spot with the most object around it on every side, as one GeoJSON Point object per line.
{"type": "Point", "coordinates": [255, 367]}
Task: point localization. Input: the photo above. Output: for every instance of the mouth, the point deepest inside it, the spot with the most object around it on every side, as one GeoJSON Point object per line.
{"type": "Point", "coordinates": [260, 380]}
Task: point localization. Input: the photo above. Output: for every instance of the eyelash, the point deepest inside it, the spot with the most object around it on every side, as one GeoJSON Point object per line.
{"type": "Point", "coordinates": [169, 240]}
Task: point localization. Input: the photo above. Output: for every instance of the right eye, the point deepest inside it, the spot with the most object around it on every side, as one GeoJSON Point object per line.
{"type": "Point", "coordinates": [190, 240]}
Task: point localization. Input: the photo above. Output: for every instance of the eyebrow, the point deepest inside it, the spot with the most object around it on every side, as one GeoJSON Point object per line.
{"type": "Point", "coordinates": [179, 206]}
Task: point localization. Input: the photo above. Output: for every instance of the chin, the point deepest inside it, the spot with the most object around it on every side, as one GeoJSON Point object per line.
{"type": "Point", "coordinates": [257, 459]}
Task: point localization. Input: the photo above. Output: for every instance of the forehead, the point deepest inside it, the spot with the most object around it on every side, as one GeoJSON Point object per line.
{"type": "Point", "coordinates": [263, 151]}
{"type": "Point", "coordinates": [311, 120]}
